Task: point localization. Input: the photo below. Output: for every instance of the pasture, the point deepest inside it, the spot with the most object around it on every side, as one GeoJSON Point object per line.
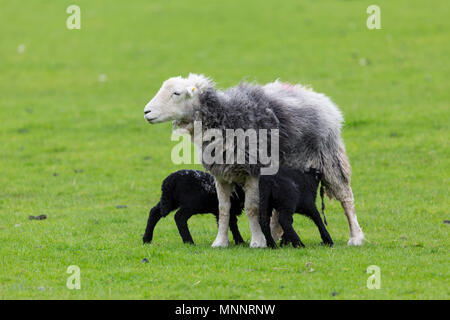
{"type": "Point", "coordinates": [74, 146]}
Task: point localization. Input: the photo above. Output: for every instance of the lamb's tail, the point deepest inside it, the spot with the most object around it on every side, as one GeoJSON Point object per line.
{"type": "Point", "coordinates": [167, 202]}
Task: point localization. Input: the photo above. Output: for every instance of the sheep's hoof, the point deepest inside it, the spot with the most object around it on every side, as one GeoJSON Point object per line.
{"type": "Point", "coordinates": [258, 244]}
{"type": "Point", "coordinates": [146, 241]}
{"type": "Point", "coordinates": [356, 241]}
{"type": "Point", "coordinates": [220, 243]}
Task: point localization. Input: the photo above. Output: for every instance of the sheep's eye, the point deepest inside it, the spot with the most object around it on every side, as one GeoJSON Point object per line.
{"type": "Point", "coordinates": [176, 93]}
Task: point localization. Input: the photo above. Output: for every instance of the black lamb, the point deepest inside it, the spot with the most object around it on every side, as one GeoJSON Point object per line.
{"type": "Point", "coordinates": [290, 191]}
{"type": "Point", "coordinates": [192, 192]}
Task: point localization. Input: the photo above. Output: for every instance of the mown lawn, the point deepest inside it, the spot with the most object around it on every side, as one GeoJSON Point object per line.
{"type": "Point", "coordinates": [74, 145]}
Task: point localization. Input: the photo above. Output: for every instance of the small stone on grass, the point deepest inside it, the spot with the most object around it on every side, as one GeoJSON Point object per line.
{"type": "Point", "coordinates": [102, 77]}
{"type": "Point", "coordinates": [21, 48]}
{"type": "Point", "coordinates": [41, 217]}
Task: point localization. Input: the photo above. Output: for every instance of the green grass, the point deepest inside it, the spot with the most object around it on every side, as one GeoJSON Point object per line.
{"type": "Point", "coordinates": [56, 117]}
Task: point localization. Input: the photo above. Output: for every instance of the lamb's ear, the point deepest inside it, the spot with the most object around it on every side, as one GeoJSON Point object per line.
{"type": "Point", "coordinates": [191, 90]}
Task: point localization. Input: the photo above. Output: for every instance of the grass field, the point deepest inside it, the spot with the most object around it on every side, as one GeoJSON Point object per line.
{"type": "Point", "coordinates": [74, 145]}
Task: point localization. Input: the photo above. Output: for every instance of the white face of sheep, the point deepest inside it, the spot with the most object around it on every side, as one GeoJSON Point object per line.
{"type": "Point", "coordinates": [174, 101]}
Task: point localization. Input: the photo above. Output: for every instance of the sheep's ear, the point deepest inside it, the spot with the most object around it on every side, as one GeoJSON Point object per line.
{"type": "Point", "coordinates": [191, 90]}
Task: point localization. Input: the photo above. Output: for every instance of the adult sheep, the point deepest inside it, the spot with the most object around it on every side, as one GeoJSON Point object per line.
{"type": "Point", "coordinates": [309, 127]}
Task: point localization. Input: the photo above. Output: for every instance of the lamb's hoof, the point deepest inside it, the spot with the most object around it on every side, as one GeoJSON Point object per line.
{"type": "Point", "coordinates": [356, 241]}
{"type": "Point", "coordinates": [298, 244]}
{"type": "Point", "coordinates": [272, 245]}
{"type": "Point", "coordinates": [284, 241]}
{"type": "Point", "coordinates": [220, 243]}
{"type": "Point", "coordinates": [327, 243]}
{"type": "Point", "coordinates": [146, 241]}
{"type": "Point", "coordinates": [258, 243]}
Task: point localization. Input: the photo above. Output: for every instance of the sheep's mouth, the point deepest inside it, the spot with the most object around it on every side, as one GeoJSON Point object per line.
{"type": "Point", "coordinates": [155, 119]}
{"type": "Point", "coordinates": [150, 120]}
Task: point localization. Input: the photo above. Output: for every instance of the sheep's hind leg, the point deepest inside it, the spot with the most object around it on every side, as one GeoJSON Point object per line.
{"type": "Point", "coordinates": [342, 191]}
{"type": "Point", "coordinates": [181, 218]}
{"type": "Point", "coordinates": [224, 190]}
{"type": "Point", "coordinates": [348, 204]}
{"type": "Point", "coordinates": [153, 218]}
{"type": "Point", "coordinates": [251, 204]}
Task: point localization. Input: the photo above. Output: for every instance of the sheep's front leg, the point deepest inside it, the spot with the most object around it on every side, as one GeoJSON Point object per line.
{"type": "Point", "coordinates": [251, 204]}
{"type": "Point", "coordinates": [224, 190]}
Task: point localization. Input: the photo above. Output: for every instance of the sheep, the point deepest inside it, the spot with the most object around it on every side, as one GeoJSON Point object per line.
{"type": "Point", "coordinates": [309, 127]}
{"type": "Point", "coordinates": [290, 191]}
{"type": "Point", "coordinates": [191, 192]}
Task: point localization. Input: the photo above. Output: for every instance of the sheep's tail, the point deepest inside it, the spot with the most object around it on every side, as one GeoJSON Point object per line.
{"type": "Point", "coordinates": [322, 191]}
{"type": "Point", "coordinates": [336, 170]}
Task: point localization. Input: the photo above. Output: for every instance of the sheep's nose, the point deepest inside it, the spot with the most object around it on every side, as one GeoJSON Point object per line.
{"type": "Point", "coordinates": [148, 111]}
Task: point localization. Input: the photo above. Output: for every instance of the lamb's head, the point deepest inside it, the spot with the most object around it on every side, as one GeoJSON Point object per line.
{"type": "Point", "coordinates": [176, 99]}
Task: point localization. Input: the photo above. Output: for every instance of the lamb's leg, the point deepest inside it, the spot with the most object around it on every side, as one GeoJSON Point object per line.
{"type": "Point", "coordinates": [235, 230]}
{"type": "Point", "coordinates": [251, 204]}
{"type": "Point", "coordinates": [265, 212]}
{"type": "Point", "coordinates": [224, 190]}
{"type": "Point", "coordinates": [284, 240]}
{"type": "Point", "coordinates": [181, 218]}
{"type": "Point", "coordinates": [348, 204]}
{"type": "Point", "coordinates": [314, 214]}
{"type": "Point", "coordinates": [275, 227]}
{"type": "Point", "coordinates": [264, 221]}
{"type": "Point", "coordinates": [153, 219]}
{"type": "Point", "coordinates": [286, 220]}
